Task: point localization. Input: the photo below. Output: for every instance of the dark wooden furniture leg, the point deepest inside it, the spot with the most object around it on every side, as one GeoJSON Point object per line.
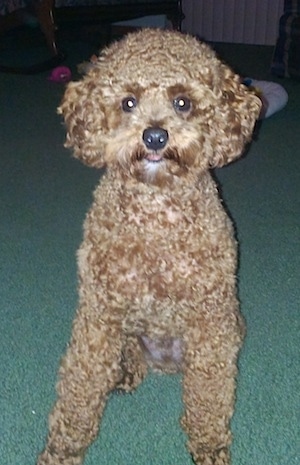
{"type": "Point", "coordinates": [177, 18]}
{"type": "Point", "coordinates": [43, 11]}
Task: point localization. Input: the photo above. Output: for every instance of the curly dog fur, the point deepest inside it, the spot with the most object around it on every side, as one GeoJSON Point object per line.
{"type": "Point", "coordinates": [157, 266]}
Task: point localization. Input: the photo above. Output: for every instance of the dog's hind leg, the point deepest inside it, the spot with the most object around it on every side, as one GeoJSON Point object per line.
{"type": "Point", "coordinates": [89, 371]}
{"type": "Point", "coordinates": [133, 364]}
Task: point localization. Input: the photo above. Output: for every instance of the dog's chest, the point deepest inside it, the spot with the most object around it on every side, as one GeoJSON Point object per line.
{"type": "Point", "coordinates": [153, 247]}
{"type": "Point", "coordinates": [159, 236]}
{"type": "Point", "coordinates": [153, 251]}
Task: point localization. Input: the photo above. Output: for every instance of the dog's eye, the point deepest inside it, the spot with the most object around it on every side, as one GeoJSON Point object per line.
{"type": "Point", "coordinates": [182, 103]}
{"type": "Point", "coordinates": [129, 103]}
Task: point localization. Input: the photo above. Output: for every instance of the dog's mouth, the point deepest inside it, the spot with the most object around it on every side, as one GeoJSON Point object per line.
{"type": "Point", "coordinates": [156, 166]}
{"type": "Point", "coordinates": [157, 156]}
{"type": "Point", "coordinates": [153, 157]}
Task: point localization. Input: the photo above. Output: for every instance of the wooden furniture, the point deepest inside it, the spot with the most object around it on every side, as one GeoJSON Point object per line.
{"type": "Point", "coordinates": [51, 12]}
{"type": "Point", "coordinates": [12, 14]}
{"type": "Point", "coordinates": [103, 11]}
{"type": "Point", "coordinates": [106, 12]}
{"type": "Point", "coordinates": [286, 58]}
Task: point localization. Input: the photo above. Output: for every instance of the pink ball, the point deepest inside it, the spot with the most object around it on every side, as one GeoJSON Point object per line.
{"type": "Point", "coordinates": [60, 74]}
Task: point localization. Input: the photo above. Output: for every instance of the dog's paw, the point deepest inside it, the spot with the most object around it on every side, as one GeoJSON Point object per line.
{"type": "Point", "coordinates": [48, 458]}
{"type": "Point", "coordinates": [128, 382]}
{"type": "Point", "coordinates": [206, 456]}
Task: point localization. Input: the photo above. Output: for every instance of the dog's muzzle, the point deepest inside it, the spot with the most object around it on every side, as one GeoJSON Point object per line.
{"type": "Point", "coordinates": [155, 138]}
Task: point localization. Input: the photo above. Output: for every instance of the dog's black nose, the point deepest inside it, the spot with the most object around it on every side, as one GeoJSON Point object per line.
{"type": "Point", "coordinates": [155, 138]}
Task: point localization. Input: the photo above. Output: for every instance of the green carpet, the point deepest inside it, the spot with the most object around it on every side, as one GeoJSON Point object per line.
{"type": "Point", "coordinates": [44, 197]}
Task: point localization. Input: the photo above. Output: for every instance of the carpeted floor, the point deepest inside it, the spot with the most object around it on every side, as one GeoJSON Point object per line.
{"type": "Point", "coordinates": [44, 197]}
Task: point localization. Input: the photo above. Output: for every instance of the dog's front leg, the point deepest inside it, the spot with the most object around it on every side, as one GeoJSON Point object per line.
{"type": "Point", "coordinates": [208, 393]}
{"type": "Point", "coordinates": [88, 372]}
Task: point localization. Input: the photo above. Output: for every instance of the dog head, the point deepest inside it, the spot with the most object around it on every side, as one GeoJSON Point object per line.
{"type": "Point", "coordinates": [158, 105]}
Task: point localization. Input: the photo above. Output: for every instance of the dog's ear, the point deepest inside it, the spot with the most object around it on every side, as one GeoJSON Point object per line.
{"type": "Point", "coordinates": [235, 115]}
{"type": "Point", "coordinates": [84, 117]}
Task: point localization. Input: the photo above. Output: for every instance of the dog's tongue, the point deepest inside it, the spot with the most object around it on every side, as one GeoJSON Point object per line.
{"type": "Point", "coordinates": [154, 157]}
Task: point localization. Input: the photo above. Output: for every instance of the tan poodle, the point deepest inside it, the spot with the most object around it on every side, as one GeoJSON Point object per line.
{"type": "Point", "coordinates": [157, 266]}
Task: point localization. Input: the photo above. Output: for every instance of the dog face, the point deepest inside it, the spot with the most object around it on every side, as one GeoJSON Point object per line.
{"type": "Point", "coordinates": [158, 105]}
